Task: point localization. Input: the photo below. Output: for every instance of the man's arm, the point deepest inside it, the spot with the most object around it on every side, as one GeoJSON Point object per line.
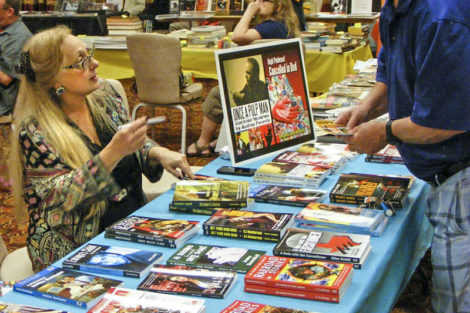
{"type": "Point", "coordinates": [5, 79]}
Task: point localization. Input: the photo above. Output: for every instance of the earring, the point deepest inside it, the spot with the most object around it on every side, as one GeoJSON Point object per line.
{"type": "Point", "coordinates": [59, 90]}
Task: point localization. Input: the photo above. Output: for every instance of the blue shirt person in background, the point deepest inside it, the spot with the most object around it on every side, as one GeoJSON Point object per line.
{"type": "Point", "coordinates": [423, 81]}
{"type": "Point", "coordinates": [13, 35]}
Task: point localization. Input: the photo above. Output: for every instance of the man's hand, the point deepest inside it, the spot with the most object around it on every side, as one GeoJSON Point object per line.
{"type": "Point", "coordinates": [367, 138]}
{"type": "Point", "coordinates": [353, 117]}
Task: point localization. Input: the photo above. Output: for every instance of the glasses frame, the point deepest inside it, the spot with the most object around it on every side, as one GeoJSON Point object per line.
{"type": "Point", "coordinates": [81, 64]}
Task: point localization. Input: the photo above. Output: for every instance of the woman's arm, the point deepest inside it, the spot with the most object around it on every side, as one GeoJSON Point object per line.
{"type": "Point", "coordinates": [243, 34]}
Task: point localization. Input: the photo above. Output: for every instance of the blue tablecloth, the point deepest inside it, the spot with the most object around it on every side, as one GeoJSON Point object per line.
{"type": "Point", "coordinates": [375, 288]}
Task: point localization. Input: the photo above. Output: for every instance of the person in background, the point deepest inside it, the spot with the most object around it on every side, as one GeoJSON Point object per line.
{"type": "Point", "coordinates": [133, 7]}
{"type": "Point", "coordinates": [423, 78]}
{"type": "Point", "coordinates": [298, 6]}
{"type": "Point", "coordinates": [275, 19]}
{"type": "Point", "coordinates": [76, 159]}
{"type": "Point", "coordinates": [13, 35]}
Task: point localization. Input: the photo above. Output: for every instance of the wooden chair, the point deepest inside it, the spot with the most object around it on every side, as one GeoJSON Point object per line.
{"type": "Point", "coordinates": [156, 61]}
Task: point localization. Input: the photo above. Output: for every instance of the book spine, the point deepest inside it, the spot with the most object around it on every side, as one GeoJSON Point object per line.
{"type": "Point", "coordinates": [311, 184]}
{"type": "Point", "coordinates": [194, 294]}
{"type": "Point", "coordinates": [316, 256]}
{"type": "Point", "coordinates": [250, 280]}
{"type": "Point", "coordinates": [291, 293]}
{"type": "Point", "coordinates": [281, 202]}
{"type": "Point", "coordinates": [163, 243]}
{"type": "Point", "coordinates": [38, 294]}
{"type": "Point", "coordinates": [230, 232]}
{"type": "Point", "coordinates": [337, 198]}
{"type": "Point", "coordinates": [210, 204]}
{"type": "Point", "coordinates": [202, 211]}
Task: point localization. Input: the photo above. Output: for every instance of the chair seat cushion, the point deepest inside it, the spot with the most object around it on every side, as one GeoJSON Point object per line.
{"type": "Point", "coordinates": [191, 92]}
{"type": "Point", "coordinates": [16, 266]}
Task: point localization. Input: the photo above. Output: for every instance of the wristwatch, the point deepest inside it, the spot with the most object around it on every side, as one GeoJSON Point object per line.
{"type": "Point", "coordinates": [391, 138]}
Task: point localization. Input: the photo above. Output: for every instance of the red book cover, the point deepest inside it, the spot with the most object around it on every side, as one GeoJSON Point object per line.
{"type": "Point", "coordinates": [239, 306]}
{"type": "Point", "coordinates": [300, 275]}
{"type": "Point", "coordinates": [292, 293]}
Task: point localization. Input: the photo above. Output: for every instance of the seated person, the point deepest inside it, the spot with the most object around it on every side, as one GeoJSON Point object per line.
{"type": "Point", "coordinates": [276, 19]}
{"type": "Point", "coordinates": [77, 169]}
{"type": "Point", "coordinates": [134, 7]}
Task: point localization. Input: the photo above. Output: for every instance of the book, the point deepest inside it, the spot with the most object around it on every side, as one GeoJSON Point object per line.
{"type": "Point", "coordinates": [154, 231]}
{"type": "Point", "coordinates": [202, 211]}
{"type": "Point", "coordinates": [323, 245]}
{"type": "Point", "coordinates": [290, 174]}
{"type": "Point", "coordinates": [66, 286]}
{"type": "Point", "coordinates": [389, 154]}
{"type": "Point", "coordinates": [239, 306]}
{"type": "Point", "coordinates": [348, 218]}
{"type": "Point", "coordinates": [328, 278]}
{"type": "Point", "coordinates": [298, 197]}
{"type": "Point", "coordinates": [183, 280]}
{"type": "Point", "coordinates": [19, 308]}
{"type": "Point", "coordinates": [329, 127]}
{"type": "Point", "coordinates": [209, 31]}
{"type": "Point", "coordinates": [264, 226]}
{"type": "Point", "coordinates": [130, 300]}
{"type": "Point", "coordinates": [211, 194]}
{"type": "Point", "coordinates": [331, 161]}
{"type": "Point", "coordinates": [358, 188]}
{"type": "Point", "coordinates": [327, 101]}
{"type": "Point", "coordinates": [292, 293]}
{"type": "Point", "coordinates": [215, 257]}
{"type": "Point", "coordinates": [124, 32]}
{"type": "Point", "coordinates": [113, 260]}
{"type": "Point", "coordinates": [204, 5]}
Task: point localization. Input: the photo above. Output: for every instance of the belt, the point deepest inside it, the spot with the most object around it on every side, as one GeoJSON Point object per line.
{"type": "Point", "coordinates": [441, 177]}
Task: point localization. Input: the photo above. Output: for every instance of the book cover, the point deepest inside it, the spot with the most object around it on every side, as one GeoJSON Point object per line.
{"type": "Point", "coordinates": [211, 194]}
{"type": "Point", "coordinates": [130, 300]}
{"type": "Point", "coordinates": [66, 286]}
{"type": "Point", "coordinates": [329, 127]}
{"type": "Point", "coordinates": [192, 210]}
{"type": "Point", "coordinates": [323, 245]}
{"type": "Point", "coordinates": [298, 197]}
{"type": "Point", "coordinates": [188, 5]}
{"type": "Point", "coordinates": [113, 260]}
{"type": "Point", "coordinates": [153, 230]}
{"type": "Point", "coordinates": [357, 188]}
{"type": "Point", "coordinates": [300, 275]}
{"type": "Point", "coordinates": [292, 293]}
{"type": "Point", "coordinates": [340, 216]}
{"type": "Point", "coordinates": [240, 260]}
{"type": "Point", "coordinates": [389, 154]}
{"type": "Point", "coordinates": [18, 308]}
{"type": "Point", "coordinates": [222, 5]}
{"type": "Point", "coordinates": [183, 280]}
{"type": "Point", "coordinates": [291, 172]}
{"type": "Point", "coordinates": [329, 161]}
{"type": "Point", "coordinates": [264, 226]}
{"type": "Point", "coordinates": [239, 306]}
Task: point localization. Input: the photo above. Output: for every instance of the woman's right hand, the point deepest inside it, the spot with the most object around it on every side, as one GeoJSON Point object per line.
{"type": "Point", "coordinates": [128, 139]}
{"type": "Point", "coordinates": [253, 7]}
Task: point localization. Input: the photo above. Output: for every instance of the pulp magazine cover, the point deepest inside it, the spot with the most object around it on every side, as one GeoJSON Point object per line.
{"type": "Point", "coordinates": [113, 260]}
{"type": "Point", "coordinates": [323, 245]}
{"type": "Point", "coordinates": [348, 218]}
{"type": "Point", "coordinates": [290, 174]}
{"type": "Point", "coordinates": [264, 226]}
{"type": "Point", "coordinates": [300, 275]}
{"type": "Point", "coordinates": [66, 286]}
{"type": "Point", "coordinates": [265, 98]}
{"type": "Point", "coordinates": [236, 259]}
{"type": "Point", "coordinates": [211, 194]}
{"type": "Point", "coordinates": [183, 280]}
{"type": "Point", "coordinates": [155, 231]}
{"type": "Point", "coordinates": [239, 306]}
{"type": "Point", "coordinates": [387, 155]}
{"type": "Point", "coordinates": [18, 308]}
{"type": "Point", "coordinates": [298, 197]}
{"type": "Point", "coordinates": [130, 300]}
{"type": "Point", "coordinates": [330, 161]}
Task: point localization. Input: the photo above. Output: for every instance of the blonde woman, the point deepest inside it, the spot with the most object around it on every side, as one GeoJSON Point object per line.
{"type": "Point", "coordinates": [77, 170]}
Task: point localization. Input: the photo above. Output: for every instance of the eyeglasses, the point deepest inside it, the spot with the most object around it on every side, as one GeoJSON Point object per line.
{"type": "Point", "coordinates": [83, 64]}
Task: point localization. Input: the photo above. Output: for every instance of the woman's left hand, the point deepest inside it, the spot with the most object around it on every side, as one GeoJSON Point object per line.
{"type": "Point", "coordinates": [172, 161]}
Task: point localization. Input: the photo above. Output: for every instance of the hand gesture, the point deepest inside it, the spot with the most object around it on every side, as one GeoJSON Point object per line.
{"type": "Point", "coordinates": [175, 163]}
{"type": "Point", "coordinates": [282, 112]}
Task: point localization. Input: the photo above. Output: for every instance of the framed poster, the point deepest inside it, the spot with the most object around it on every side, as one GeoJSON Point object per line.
{"type": "Point", "coordinates": [265, 98]}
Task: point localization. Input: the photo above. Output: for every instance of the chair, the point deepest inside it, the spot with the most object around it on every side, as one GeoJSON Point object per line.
{"type": "Point", "coordinates": [15, 265]}
{"type": "Point", "coordinates": [156, 61]}
{"type": "Point", "coordinates": [5, 122]}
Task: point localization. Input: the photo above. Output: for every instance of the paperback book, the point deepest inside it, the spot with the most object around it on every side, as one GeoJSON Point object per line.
{"type": "Point", "coordinates": [236, 259]}
{"type": "Point", "coordinates": [348, 218]}
{"type": "Point", "coordinates": [282, 292]}
{"type": "Point", "coordinates": [19, 308]}
{"type": "Point", "coordinates": [264, 226]}
{"type": "Point", "coordinates": [290, 174]}
{"type": "Point", "coordinates": [66, 286]}
{"type": "Point", "coordinates": [211, 194]}
{"type": "Point", "coordinates": [388, 155]}
{"type": "Point", "coordinates": [130, 300]}
{"type": "Point", "coordinates": [319, 277]}
{"type": "Point", "coordinates": [153, 231]}
{"type": "Point", "coordinates": [113, 260]}
{"type": "Point", "coordinates": [323, 245]}
{"type": "Point", "coordinates": [183, 280]}
{"type": "Point", "coordinates": [356, 188]}
{"type": "Point", "coordinates": [330, 161]}
{"type": "Point", "coordinates": [298, 197]}
{"type": "Point", "coordinates": [239, 306]}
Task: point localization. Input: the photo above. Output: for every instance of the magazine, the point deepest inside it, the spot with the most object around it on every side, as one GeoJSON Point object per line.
{"type": "Point", "coordinates": [298, 197]}
{"type": "Point", "coordinates": [239, 306]}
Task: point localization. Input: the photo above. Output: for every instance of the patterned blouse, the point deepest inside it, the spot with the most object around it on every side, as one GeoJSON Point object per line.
{"type": "Point", "coordinates": [59, 197]}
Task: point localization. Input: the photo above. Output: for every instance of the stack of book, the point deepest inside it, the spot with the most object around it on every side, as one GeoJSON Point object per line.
{"type": "Point", "coordinates": [299, 278]}
{"type": "Point", "coordinates": [331, 161]}
{"type": "Point", "coordinates": [206, 197]}
{"type": "Point", "coordinates": [360, 32]}
{"type": "Point", "coordinates": [206, 35]}
{"type": "Point", "coordinates": [298, 197]}
{"type": "Point", "coordinates": [388, 155]}
{"type": "Point", "coordinates": [324, 246]}
{"type": "Point", "coordinates": [329, 217]}
{"type": "Point", "coordinates": [118, 26]}
{"type": "Point", "coordinates": [263, 226]}
{"type": "Point", "coordinates": [129, 300]}
{"type": "Point", "coordinates": [329, 101]}
{"type": "Point", "coordinates": [188, 281]}
{"type": "Point", "coordinates": [153, 231]}
{"type": "Point", "coordinates": [339, 43]}
{"type": "Point", "coordinates": [239, 306]}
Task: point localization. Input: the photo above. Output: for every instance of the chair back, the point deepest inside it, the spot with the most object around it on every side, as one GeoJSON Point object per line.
{"type": "Point", "coordinates": [156, 61]}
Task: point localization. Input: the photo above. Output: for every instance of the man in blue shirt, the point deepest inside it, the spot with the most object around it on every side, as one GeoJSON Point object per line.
{"type": "Point", "coordinates": [423, 79]}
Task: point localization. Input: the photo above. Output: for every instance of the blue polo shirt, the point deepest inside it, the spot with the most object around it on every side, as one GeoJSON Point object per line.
{"type": "Point", "coordinates": [425, 63]}
{"type": "Point", "coordinates": [272, 30]}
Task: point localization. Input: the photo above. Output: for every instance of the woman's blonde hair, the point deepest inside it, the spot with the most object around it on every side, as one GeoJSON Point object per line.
{"type": "Point", "coordinates": [36, 99]}
{"type": "Point", "coordinates": [284, 12]}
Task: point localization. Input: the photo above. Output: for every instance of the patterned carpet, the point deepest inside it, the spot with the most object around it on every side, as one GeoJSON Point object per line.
{"type": "Point", "coordinates": [415, 298]}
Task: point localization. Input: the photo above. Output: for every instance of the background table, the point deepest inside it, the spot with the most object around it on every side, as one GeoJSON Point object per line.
{"type": "Point", "coordinates": [374, 288]}
{"type": "Point", "coordinates": [323, 69]}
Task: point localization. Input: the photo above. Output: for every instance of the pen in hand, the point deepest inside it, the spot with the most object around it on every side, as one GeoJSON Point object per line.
{"type": "Point", "coordinates": [150, 122]}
